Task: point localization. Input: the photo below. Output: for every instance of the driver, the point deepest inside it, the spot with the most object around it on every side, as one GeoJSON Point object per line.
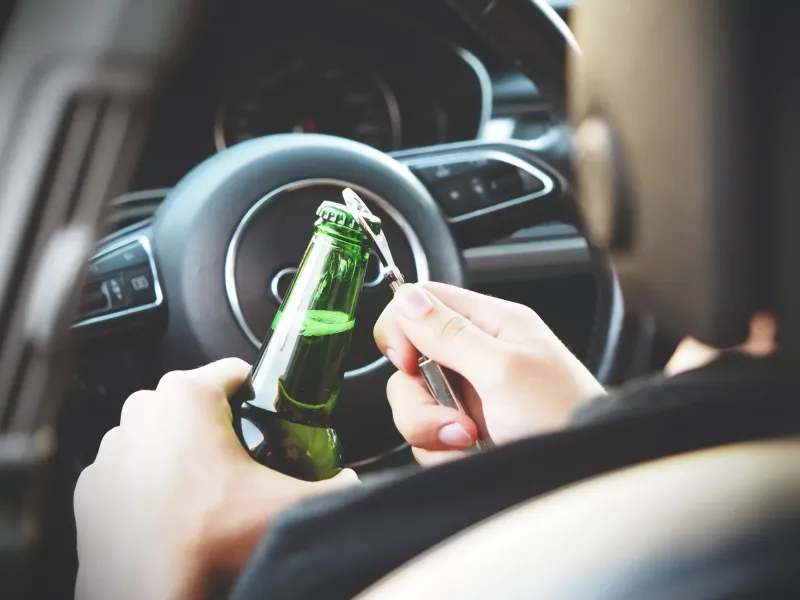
{"type": "Point", "coordinates": [173, 506]}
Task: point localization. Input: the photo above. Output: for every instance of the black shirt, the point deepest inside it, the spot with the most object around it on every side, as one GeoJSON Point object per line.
{"type": "Point", "coordinates": [336, 546]}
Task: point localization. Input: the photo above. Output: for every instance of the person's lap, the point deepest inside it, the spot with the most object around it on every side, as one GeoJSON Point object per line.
{"type": "Point", "coordinates": [337, 545]}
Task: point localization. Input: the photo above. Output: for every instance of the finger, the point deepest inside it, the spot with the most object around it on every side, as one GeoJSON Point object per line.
{"type": "Point", "coordinates": [422, 422]}
{"type": "Point", "coordinates": [107, 443]}
{"type": "Point", "coordinates": [82, 495]}
{"type": "Point", "coordinates": [431, 458]}
{"type": "Point", "coordinates": [761, 341]}
{"type": "Point", "coordinates": [224, 376]}
{"type": "Point", "coordinates": [442, 334]}
{"type": "Point", "coordinates": [393, 343]}
{"type": "Point", "coordinates": [220, 380]}
{"type": "Point", "coordinates": [136, 405]}
{"type": "Point", "coordinates": [344, 479]}
{"type": "Point", "coordinates": [207, 389]}
{"type": "Point", "coordinates": [690, 354]}
{"type": "Point", "coordinates": [499, 318]}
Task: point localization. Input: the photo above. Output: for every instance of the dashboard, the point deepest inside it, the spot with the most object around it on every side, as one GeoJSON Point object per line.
{"type": "Point", "coordinates": [395, 74]}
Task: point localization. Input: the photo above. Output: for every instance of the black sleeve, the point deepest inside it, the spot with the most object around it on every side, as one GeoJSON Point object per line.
{"type": "Point", "coordinates": [335, 547]}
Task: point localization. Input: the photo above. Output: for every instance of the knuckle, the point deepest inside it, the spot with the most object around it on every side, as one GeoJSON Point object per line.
{"type": "Point", "coordinates": [83, 480]}
{"type": "Point", "coordinates": [135, 403]}
{"type": "Point", "coordinates": [520, 311]}
{"type": "Point", "coordinates": [108, 441]}
{"type": "Point", "coordinates": [140, 397]}
{"type": "Point", "coordinates": [172, 379]}
{"type": "Point", "coordinates": [82, 491]}
{"type": "Point", "coordinates": [234, 363]}
{"type": "Point", "coordinates": [453, 329]}
{"type": "Point", "coordinates": [517, 315]}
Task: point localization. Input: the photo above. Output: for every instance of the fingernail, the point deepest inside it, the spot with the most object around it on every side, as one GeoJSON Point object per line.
{"type": "Point", "coordinates": [392, 356]}
{"type": "Point", "coordinates": [413, 302]}
{"type": "Point", "coordinates": [455, 435]}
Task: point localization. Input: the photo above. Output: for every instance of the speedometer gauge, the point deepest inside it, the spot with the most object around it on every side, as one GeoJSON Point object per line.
{"type": "Point", "coordinates": [312, 90]}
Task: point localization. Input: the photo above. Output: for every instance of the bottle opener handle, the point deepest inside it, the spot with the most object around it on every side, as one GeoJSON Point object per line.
{"type": "Point", "coordinates": [441, 390]}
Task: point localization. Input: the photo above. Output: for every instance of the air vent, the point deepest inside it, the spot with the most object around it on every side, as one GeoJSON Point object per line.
{"type": "Point", "coordinates": [133, 207]}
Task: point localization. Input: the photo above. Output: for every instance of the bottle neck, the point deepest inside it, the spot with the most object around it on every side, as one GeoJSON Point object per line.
{"type": "Point", "coordinates": [301, 365]}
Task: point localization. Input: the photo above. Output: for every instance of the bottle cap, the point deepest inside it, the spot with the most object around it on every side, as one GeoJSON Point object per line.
{"type": "Point", "coordinates": [341, 215]}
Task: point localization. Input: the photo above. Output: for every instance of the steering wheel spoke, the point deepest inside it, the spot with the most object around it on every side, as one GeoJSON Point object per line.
{"type": "Point", "coordinates": [488, 190]}
{"type": "Point", "coordinates": [122, 288]}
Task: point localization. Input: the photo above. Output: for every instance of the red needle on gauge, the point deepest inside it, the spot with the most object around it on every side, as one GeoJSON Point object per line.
{"type": "Point", "coordinates": [309, 126]}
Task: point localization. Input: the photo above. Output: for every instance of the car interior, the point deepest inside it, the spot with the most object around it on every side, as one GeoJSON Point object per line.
{"type": "Point", "coordinates": [161, 162]}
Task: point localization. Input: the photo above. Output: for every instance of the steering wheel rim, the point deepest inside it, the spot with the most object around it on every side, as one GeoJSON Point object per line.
{"type": "Point", "coordinates": [213, 201]}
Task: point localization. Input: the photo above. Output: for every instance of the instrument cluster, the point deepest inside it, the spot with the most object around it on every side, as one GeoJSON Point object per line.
{"type": "Point", "coordinates": [354, 70]}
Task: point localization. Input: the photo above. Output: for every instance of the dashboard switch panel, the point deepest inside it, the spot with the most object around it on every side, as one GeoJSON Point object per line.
{"type": "Point", "coordinates": [140, 285]}
{"type": "Point", "coordinates": [122, 282]}
{"type": "Point", "coordinates": [475, 183]}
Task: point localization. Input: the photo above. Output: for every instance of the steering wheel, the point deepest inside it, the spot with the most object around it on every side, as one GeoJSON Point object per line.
{"type": "Point", "coordinates": [222, 247]}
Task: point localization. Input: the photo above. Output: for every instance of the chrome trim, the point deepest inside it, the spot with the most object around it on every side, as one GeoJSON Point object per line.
{"type": "Point", "coordinates": [139, 195]}
{"type": "Point", "coordinates": [485, 82]}
{"type": "Point", "coordinates": [475, 145]}
{"type": "Point", "coordinates": [273, 285]}
{"type": "Point", "coordinates": [484, 154]}
{"type": "Point", "coordinates": [499, 262]}
{"type": "Point", "coordinates": [125, 231]}
{"type": "Point", "coordinates": [417, 251]}
{"type": "Point", "coordinates": [373, 283]}
{"type": "Point", "coordinates": [119, 243]}
{"type": "Point", "coordinates": [555, 19]}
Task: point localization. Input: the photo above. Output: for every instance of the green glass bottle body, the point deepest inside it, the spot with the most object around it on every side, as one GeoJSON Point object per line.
{"type": "Point", "coordinates": [282, 414]}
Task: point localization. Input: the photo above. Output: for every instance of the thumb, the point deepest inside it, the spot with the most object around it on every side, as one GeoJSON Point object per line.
{"type": "Point", "coordinates": [344, 479]}
{"type": "Point", "coordinates": [225, 376]}
{"type": "Point", "coordinates": [440, 333]}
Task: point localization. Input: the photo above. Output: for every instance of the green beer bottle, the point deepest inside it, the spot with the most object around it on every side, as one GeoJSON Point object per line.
{"type": "Point", "coordinates": [282, 414]}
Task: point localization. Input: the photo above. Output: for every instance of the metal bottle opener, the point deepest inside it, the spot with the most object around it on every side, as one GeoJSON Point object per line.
{"type": "Point", "coordinates": [433, 374]}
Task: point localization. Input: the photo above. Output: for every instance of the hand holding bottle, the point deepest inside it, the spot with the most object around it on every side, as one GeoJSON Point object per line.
{"type": "Point", "coordinates": [517, 378]}
{"type": "Point", "coordinates": [173, 499]}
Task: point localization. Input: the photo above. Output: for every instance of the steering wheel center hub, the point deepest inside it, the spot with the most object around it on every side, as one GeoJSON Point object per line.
{"type": "Point", "coordinates": [244, 215]}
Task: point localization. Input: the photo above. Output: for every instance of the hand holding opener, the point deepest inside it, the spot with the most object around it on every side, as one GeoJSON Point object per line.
{"type": "Point", "coordinates": [433, 374]}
